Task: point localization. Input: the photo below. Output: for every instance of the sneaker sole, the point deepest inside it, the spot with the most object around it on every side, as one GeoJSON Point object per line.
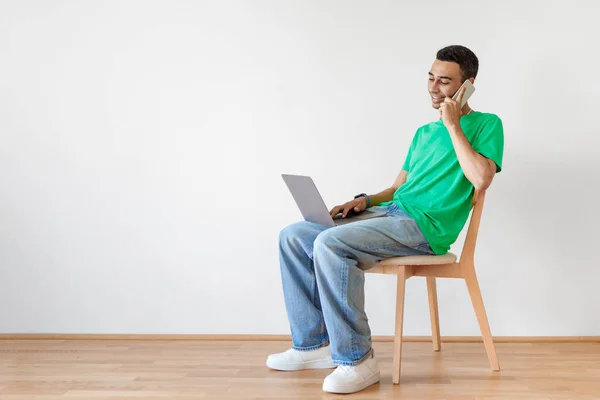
{"type": "Point", "coordinates": [345, 389]}
{"type": "Point", "coordinates": [316, 364]}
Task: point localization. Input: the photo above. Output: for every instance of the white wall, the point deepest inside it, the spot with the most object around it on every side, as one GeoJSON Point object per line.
{"type": "Point", "coordinates": [142, 144]}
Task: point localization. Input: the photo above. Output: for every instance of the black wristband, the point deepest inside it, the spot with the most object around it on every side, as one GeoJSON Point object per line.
{"type": "Point", "coordinates": [366, 196]}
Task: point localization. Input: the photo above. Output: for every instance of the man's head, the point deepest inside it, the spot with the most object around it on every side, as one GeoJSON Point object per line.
{"type": "Point", "coordinates": [453, 65]}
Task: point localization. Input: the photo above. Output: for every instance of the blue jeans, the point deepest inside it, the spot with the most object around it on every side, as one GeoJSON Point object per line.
{"type": "Point", "coordinates": [322, 270]}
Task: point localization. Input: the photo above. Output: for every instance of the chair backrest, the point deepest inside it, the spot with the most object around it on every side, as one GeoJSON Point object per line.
{"type": "Point", "coordinates": [468, 251]}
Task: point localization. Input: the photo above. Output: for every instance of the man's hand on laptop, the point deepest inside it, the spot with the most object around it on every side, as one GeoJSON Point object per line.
{"type": "Point", "coordinates": [357, 205]}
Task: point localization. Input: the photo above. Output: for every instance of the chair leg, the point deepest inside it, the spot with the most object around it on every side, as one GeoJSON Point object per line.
{"type": "Point", "coordinates": [399, 321]}
{"type": "Point", "coordinates": [433, 313]}
{"type": "Point", "coordinates": [484, 326]}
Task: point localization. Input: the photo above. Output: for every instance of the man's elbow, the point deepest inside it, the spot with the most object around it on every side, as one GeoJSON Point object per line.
{"type": "Point", "coordinates": [485, 176]}
{"type": "Point", "coordinates": [482, 186]}
{"type": "Point", "coordinates": [482, 183]}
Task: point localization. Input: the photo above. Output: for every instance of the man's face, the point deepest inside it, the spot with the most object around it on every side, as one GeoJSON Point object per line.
{"type": "Point", "coordinates": [444, 81]}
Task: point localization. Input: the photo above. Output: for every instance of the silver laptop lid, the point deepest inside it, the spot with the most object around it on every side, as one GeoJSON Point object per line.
{"type": "Point", "coordinates": [308, 199]}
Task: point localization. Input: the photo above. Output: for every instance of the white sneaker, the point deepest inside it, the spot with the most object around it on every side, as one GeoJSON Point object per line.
{"type": "Point", "coordinates": [350, 379]}
{"type": "Point", "coordinates": [295, 360]}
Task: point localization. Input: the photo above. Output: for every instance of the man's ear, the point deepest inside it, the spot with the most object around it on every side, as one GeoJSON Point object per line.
{"type": "Point", "coordinates": [472, 80]}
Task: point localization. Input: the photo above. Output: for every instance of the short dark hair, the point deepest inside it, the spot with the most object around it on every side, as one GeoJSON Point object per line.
{"type": "Point", "coordinates": [465, 58]}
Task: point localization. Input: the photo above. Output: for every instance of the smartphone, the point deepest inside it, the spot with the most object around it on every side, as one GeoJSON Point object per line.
{"type": "Point", "coordinates": [468, 93]}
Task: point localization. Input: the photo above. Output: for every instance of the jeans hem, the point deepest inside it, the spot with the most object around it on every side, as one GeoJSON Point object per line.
{"type": "Point", "coordinates": [308, 348]}
{"type": "Point", "coordinates": [354, 363]}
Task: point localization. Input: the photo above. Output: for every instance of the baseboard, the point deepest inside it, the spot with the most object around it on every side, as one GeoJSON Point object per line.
{"type": "Point", "coordinates": [265, 338]}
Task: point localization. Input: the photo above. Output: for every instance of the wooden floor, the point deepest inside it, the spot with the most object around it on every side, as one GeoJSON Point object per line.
{"type": "Point", "coordinates": [95, 369]}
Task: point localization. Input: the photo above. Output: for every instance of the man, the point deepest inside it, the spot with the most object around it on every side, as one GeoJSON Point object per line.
{"type": "Point", "coordinates": [426, 208]}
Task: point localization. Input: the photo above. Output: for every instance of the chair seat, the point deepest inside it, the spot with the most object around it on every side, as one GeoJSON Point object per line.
{"type": "Point", "coordinates": [447, 258]}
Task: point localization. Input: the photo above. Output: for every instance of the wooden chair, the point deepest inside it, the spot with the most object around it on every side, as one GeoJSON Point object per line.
{"type": "Point", "coordinates": [444, 266]}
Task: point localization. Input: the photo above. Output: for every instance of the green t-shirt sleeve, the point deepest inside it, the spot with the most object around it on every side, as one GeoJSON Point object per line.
{"type": "Point", "coordinates": [490, 142]}
{"type": "Point", "coordinates": [407, 161]}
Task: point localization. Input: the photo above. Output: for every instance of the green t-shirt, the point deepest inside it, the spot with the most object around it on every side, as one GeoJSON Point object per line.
{"type": "Point", "coordinates": [436, 192]}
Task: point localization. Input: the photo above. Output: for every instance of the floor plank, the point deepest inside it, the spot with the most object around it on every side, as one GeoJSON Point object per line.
{"type": "Point", "coordinates": [178, 369]}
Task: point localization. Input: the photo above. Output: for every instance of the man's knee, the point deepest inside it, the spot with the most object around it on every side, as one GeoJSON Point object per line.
{"type": "Point", "coordinates": [342, 240]}
{"type": "Point", "coordinates": [288, 233]}
{"type": "Point", "coordinates": [294, 232]}
{"type": "Point", "coordinates": [328, 240]}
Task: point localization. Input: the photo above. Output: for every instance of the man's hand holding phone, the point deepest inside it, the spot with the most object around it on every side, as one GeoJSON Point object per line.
{"type": "Point", "coordinates": [450, 109]}
{"type": "Point", "coordinates": [357, 205]}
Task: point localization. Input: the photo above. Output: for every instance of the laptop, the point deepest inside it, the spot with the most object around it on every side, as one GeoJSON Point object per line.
{"type": "Point", "coordinates": [313, 207]}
